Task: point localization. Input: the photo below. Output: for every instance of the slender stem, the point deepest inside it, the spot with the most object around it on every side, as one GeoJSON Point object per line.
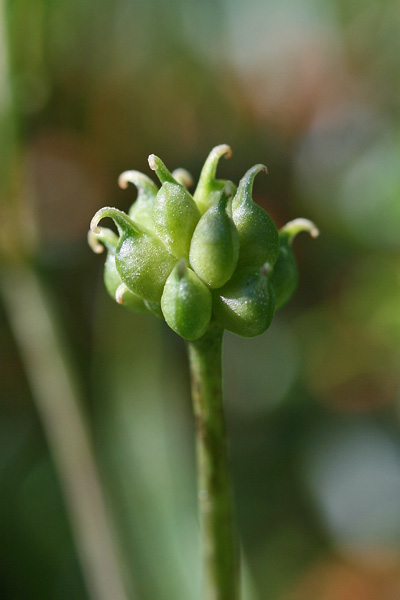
{"type": "Point", "coordinates": [33, 321]}
{"type": "Point", "coordinates": [215, 501]}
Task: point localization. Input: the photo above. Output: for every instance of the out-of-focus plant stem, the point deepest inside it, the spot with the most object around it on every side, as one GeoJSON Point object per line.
{"type": "Point", "coordinates": [33, 320]}
{"type": "Point", "coordinates": [214, 489]}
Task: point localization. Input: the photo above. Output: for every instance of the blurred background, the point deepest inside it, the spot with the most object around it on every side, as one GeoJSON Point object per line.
{"type": "Point", "coordinates": [310, 88]}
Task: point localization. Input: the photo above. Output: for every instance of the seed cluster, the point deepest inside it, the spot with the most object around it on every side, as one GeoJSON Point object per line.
{"type": "Point", "coordinates": [216, 255]}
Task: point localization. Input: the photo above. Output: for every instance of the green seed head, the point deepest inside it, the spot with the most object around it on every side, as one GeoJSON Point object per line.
{"type": "Point", "coordinates": [214, 256]}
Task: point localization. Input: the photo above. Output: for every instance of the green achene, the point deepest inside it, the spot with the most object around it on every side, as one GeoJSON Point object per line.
{"type": "Point", "coordinates": [142, 260]}
{"type": "Point", "coordinates": [112, 280]}
{"type": "Point", "coordinates": [246, 304]}
{"type": "Point", "coordinates": [186, 302]}
{"type": "Point", "coordinates": [285, 275]}
{"type": "Point", "coordinates": [175, 218]}
{"type": "Point", "coordinates": [214, 250]}
{"type": "Point", "coordinates": [258, 235]}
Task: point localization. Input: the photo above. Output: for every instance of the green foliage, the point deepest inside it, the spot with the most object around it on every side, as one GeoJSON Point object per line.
{"type": "Point", "coordinates": [190, 259]}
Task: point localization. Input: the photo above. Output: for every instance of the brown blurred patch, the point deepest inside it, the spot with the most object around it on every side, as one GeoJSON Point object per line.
{"type": "Point", "coordinates": [65, 183]}
{"type": "Point", "coordinates": [309, 73]}
{"type": "Point", "coordinates": [345, 364]}
{"type": "Point", "coordinates": [365, 391]}
{"type": "Point", "coordinates": [333, 580]}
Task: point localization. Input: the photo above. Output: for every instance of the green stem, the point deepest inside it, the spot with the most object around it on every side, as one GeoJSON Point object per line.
{"type": "Point", "coordinates": [215, 501]}
{"type": "Point", "coordinates": [34, 323]}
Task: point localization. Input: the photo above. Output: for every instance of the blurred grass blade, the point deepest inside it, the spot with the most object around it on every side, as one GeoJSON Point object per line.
{"type": "Point", "coordinates": [148, 452]}
{"type": "Point", "coordinates": [32, 319]}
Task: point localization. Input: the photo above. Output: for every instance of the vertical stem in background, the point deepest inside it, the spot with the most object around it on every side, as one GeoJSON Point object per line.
{"type": "Point", "coordinates": [214, 489]}
{"type": "Point", "coordinates": [32, 319]}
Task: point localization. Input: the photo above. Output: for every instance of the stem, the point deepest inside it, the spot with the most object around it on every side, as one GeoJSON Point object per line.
{"type": "Point", "coordinates": [33, 322]}
{"type": "Point", "coordinates": [214, 489]}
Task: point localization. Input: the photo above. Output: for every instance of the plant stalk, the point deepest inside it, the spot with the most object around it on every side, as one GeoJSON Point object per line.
{"type": "Point", "coordinates": [220, 559]}
{"type": "Point", "coordinates": [54, 388]}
